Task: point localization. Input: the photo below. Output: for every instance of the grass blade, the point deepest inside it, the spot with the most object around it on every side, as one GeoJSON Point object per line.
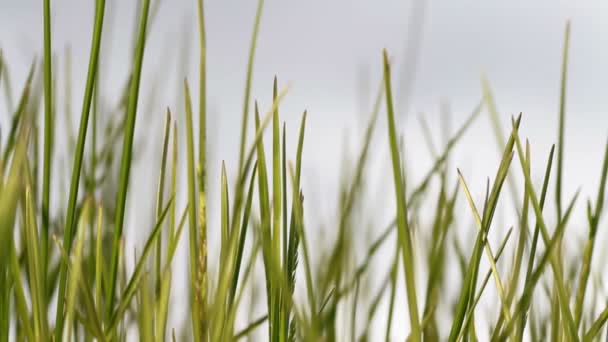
{"type": "Point", "coordinates": [75, 275]}
{"type": "Point", "coordinates": [590, 244]}
{"type": "Point", "coordinates": [470, 281]}
{"type": "Point", "coordinates": [562, 112]}
{"type": "Point", "coordinates": [557, 269]}
{"type": "Point", "coordinates": [78, 156]}
{"type": "Point", "coordinates": [125, 166]}
{"type": "Point", "coordinates": [487, 248]}
{"type": "Point", "coordinates": [276, 211]}
{"type": "Point", "coordinates": [198, 286]}
{"type": "Point", "coordinates": [248, 81]}
{"type": "Point", "coordinates": [243, 235]}
{"type": "Point", "coordinates": [48, 131]}
{"type": "Point", "coordinates": [403, 229]}
{"type": "Point", "coordinates": [202, 164]}
{"type": "Point", "coordinates": [133, 283]}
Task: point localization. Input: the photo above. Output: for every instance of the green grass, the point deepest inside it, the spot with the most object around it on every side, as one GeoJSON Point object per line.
{"type": "Point", "coordinates": [63, 267]}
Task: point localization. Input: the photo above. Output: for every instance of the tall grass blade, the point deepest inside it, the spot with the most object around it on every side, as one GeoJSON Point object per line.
{"type": "Point", "coordinates": [78, 156]}
{"type": "Point", "coordinates": [562, 114]}
{"type": "Point", "coordinates": [590, 244]}
{"type": "Point", "coordinates": [48, 131]}
{"type": "Point", "coordinates": [403, 229]}
{"type": "Point", "coordinates": [198, 285]}
{"type": "Point", "coordinates": [126, 161]}
{"type": "Point", "coordinates": [248, 81]}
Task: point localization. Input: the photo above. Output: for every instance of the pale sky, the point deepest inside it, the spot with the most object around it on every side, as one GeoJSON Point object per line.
{"type": "Point", "coordinates": [326, 51]}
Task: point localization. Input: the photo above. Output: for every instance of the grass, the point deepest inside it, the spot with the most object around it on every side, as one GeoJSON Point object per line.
{"type": "Point", "coordinates": [63, 267]}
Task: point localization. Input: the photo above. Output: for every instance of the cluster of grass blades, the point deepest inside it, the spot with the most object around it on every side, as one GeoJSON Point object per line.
{"type": "Point", "coordinates": [64, 274]}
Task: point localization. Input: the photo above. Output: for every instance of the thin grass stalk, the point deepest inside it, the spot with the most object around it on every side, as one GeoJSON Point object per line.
{"type": "Point", "coordinates": [125, 167]}
{"type": "Point", "coordinates": [48, 132]}
{"type": "Point", "coordinates": [202, 169]}
{"type": "Point", "coordinates": [78, 156]}
{"type": "Point", "coordinates": [403, 229]}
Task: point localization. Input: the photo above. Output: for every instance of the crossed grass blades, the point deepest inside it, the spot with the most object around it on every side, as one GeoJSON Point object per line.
{"type": "Point", "coordinates": [63, 272]}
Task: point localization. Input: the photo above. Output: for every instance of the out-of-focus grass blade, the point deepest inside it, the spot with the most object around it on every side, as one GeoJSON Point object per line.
{"type": "Point", "coordinates": [9, 199]}
{"type": "Point", "coordinates": [99, 275]}
{"type": "Point", "coordinates": [590, 244]}
{"type": "Point", "coordinates": [21, 306]}
{"type": "Point", "coordinates": [35, 268]}
{"type": "Point", "coordinates": [391, 301]}
{"type": "Point", "coordinates": [1, 63]}
{"type": "Point", "coordinates": [490, 102]}
{"type": "Point", "coordinates": [18, 115]}
{"type": "Point", "coordinates": [8, 93]}
{"type": "Point", "coordinates": [9, 196]}
{"type": "Point", "coordinates": [75, 274]}
{"type": "Point", "coordinates": [248, 81]}
{"type": "Point", "coordinates": [439, 162]}
{"type": "Point", "coordinates": [129, 291]}
{"type": "Point", "coordinates": [597, 325]}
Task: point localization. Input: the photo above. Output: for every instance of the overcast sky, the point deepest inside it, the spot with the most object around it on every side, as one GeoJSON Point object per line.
{"type": "Point", "coordinates": [326, 49]}
{"type": "Point", "coordinates": [330, 54]}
